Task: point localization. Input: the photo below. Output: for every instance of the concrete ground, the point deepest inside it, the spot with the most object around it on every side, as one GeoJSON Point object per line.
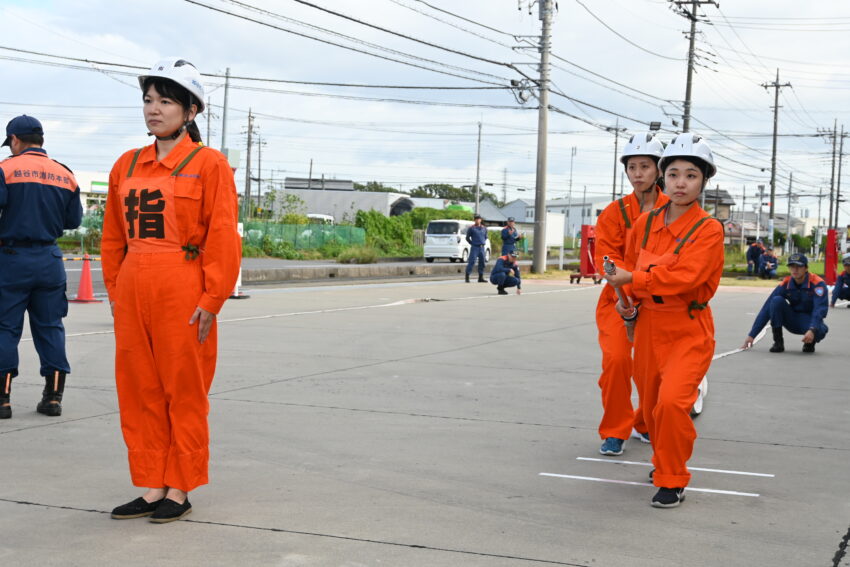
{"type": "Point", "coordinates": [361, 425]}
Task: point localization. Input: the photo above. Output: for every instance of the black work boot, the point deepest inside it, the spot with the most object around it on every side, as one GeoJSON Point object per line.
{"type": "Point", "coordinates": [481, 278]}
{"type": "Point", "coordinates": [778, 341]}
{"type": "Point", "coordinates": [51, 397]}
{"type": "Point", "coordinates": [502, 290]}
{"type": "Point", "coordinates": [467, 278]}
{"type": "Point", "coordinates": [5, 396]}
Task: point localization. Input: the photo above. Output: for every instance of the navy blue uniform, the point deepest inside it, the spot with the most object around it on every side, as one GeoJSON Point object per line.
{"type": "Point", "coordinates": [501, 274]}
{"type": "Point", "coordinates": [477, 238]}
{"type": "Point", "coordinates": [842, 287]}
{"type": "Point", "coordinates": [510, 236]}
{"type": "Point", "coordinates": [39, 198]}
{"type": "Point", "coordinates": [798, 308]}
{"type": "Point", "coordinates": [767, 266]}
{"type": "Point", "coordinates": [753, 253]}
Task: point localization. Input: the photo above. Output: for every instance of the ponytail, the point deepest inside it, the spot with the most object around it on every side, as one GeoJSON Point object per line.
{"type": "Point", "coordinates": [193, 131]}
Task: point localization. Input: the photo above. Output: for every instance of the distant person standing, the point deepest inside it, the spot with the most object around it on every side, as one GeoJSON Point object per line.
{"type": "Point", "coordinates": [39, 198]}
{"type": "Point", "coordinates": [506, 273]}
{"type": "Point", "coordinates": [510, 236]}
{"type": "Point", "coordinates": [476, 235]}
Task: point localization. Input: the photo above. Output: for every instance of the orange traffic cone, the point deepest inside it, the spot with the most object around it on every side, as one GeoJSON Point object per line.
{"type": "Point", "coordinates": [85, 293]}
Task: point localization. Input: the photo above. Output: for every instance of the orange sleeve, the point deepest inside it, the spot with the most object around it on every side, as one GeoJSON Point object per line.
{"type": "Point", "coordinates": [113, 243]}
{"type": "Point", "coordinates": [610, 236]}
{"type": "Point", "coordinates": [700, 262]}
{"type": "Point", "coordinates": [222, 250]}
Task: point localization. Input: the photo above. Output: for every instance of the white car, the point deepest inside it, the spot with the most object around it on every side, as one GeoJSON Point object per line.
{"type": "Point", "coordinates": [446, 238]}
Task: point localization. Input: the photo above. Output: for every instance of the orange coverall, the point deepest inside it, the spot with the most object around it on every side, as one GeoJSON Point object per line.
{"type": "Point", "coordinates": [677, 271]}
{"type": "Point", "coordinates": [169, 245]}
{"type": "Point", "coordinates": [613, 228]}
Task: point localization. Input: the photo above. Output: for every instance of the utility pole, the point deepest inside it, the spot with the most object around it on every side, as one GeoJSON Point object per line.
{"type": "Point", "coordinates": [616, 149]}
{"type": "Point", "coordinates": [743, 212]}
{"type": "Point", "coordinates": [776, 86]}
{"type": "Point", "coordinates": [310, 175]}
{"type": "Point", "coordinates": [505, 186]}
{"type": "Point", "coordinates": [788, 218]}
{"type": "Point", "coordinates": [209, 119]}
{"type": "Point", "coordinates": [224, 111]}
{"type": "Point", "coordinates": [758, 209]}
{"type": "Point", "coordinates": [832, 178]}
{"type": "Point", "coordinates": [247, 195]}
{"type": "Point", "coordinates": [538, 265]}
{"type": "Point", "coordinates": [478, 172]}
{"type": "Point", "coordinates": [259, 168]}
{"type": "Point", "coordinates": [692, 16]}
{"type": "Point", "coordinates": [838, 181]}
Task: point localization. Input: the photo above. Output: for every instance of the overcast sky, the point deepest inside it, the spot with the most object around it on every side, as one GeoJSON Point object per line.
{"type": "Point", "coordinates": [92, 114]}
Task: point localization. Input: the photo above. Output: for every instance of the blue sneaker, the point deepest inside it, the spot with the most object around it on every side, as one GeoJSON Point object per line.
{"type": "Point", "coordinates": [612, 446]}
{"type": "Point", "coordinates": [642, 437]}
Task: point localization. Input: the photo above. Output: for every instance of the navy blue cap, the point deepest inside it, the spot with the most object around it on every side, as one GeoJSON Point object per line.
{"type": "Point", "coordinates": [20, 126]}
{"type": "Point", "coordinates": [511, 219]}
{"type": "Point", "coordinates": [513, 253]}
{"type": "Point", "coordinates": [798, 260]}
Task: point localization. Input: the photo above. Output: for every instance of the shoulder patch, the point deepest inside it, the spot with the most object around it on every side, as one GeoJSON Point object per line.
{"type": "Point", "coordinates": [819, 291]}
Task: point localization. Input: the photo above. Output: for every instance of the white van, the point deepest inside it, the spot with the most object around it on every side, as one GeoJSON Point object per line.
{"type": "Point", "coordinates": [446, 238]}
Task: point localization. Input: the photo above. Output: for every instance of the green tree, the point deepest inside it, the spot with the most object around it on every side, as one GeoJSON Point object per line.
{"type": "Point", "coordinates": [376, 186]}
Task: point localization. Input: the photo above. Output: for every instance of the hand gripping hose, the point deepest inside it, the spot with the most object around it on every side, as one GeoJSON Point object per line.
{"type": "Point", "coordinates": [629, 322]}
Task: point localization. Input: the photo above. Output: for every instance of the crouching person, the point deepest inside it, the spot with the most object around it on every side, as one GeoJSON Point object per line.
{"type": "Point", "coordinates": [799, 304]}
{"type": "Point", "coordinates": [501, 275]}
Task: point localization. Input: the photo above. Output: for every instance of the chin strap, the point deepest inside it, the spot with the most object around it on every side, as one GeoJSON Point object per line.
{"type": "Point", "coordinates": [173, 136]}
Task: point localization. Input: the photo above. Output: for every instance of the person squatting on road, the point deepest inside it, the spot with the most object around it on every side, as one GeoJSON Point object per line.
{"type": "Point", "coordinates": [501, 275]}
{"type": "Point", "coordinates": [476, 235]}
{"type": "Point", "coordinates": [842, 283]}
{"type": "Point", "coordinates": [613, 229]}
{"type": "Point", "coordinates": [799, 304]}
{"type": "Point", "coordinates": [39, 198]}
{"type": "Point", "coordinates": [171, 256]}
{"type": "Point", "coordinates": [510, 236]}
{"type": "Point", "coordinates": [677, 253]}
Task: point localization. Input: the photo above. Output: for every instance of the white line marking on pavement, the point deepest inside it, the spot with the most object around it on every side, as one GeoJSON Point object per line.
{"type": "Point", "coordinates": [724, 471]}
{"type": "Point", "coordinates": [688, 489]}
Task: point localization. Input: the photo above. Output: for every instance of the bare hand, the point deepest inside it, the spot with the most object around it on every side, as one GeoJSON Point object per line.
{"type": "Point", "coordinates": [205, 320]}
{"type": "Point", "coordinates": [518, 291]}
{"type": "Point", "coordinates": [748, 343]}
{"type": "Point", "coordinates": [625, 312]}
{"type": "Point", "coordinates": [619, 278]}
{"type": "Point", "coordinates": [809, 337]}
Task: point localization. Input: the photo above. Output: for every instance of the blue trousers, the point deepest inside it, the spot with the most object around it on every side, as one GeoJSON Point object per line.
{"type": "Point", "coordinates": [33, 280]}
{"type": "Point", "coordinates": [750, 268]}
{"type": "Point", "coordinates": [768, 274]}
{"type": "Point", "coordinates": [503, 280]}
{"type": "Point", "coordinates": [781, 315]}
{"type": "Point", "coordinates": [476, 252]}
{"type": "Point", "coordinates": [844, 293]}
{"type": "Point", "coordinates": [508, 248]}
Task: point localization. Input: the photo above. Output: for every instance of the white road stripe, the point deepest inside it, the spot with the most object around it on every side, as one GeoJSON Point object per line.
{"type": "Point", "coordinates": [688, 489]}
{"type": "Point", "coordinates": [642, 464]}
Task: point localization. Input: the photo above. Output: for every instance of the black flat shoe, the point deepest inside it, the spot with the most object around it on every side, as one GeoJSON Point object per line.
{"type": "Point", "coordinates": [138, 508]}
{"type": "Point", "coordinates": [169, 511]}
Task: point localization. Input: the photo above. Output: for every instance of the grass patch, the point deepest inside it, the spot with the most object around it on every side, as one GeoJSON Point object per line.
{"type": "Point", "coordinates": [358, 255]}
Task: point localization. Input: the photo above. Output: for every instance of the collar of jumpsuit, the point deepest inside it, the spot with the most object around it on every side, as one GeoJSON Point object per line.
{"type": "Point", "coordinates": [681, 225]}
{"type": "Point", "coordinates": [182, 149]}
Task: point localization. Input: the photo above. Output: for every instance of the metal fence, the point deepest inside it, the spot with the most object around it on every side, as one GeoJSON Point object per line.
{"type": "Point", "coordinates": [303, 236]}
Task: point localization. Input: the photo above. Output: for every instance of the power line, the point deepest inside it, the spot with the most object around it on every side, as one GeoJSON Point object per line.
{"type": "Point", "coordinates": [465, 19]}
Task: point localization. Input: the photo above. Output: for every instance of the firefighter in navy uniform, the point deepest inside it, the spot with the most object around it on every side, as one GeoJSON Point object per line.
{"type": "Point", "coordinates": [39, 198]}
{"type": "Point", "coordinates": [501, 276]}
{"type": "Point", "coordinates": [799, 304]}
{"type": "Point", "coordinates": [842, 284]}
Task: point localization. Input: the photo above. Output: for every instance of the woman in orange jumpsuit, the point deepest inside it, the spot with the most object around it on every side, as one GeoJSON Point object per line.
{"type": "Point", "coordinates": [171, 256]}
{"type": "Point", "coordinates": [613, 227]}
{"type": "Point", "coordinates": [677, 254]}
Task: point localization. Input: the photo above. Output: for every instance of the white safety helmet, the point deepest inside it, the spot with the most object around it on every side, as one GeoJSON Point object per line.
{"type": "Point", "coordinates": [690, 146]}
{"type": "Point", "coordinates": [642, 144]}
{"type": "Point", "coordinates": [181, 72]}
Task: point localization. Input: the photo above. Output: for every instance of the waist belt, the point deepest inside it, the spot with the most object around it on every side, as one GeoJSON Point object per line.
{"type": "Point", "coordinates": [26, 243]}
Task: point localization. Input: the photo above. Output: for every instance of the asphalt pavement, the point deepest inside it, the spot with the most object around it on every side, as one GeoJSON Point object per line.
{"type": "Point", "coordinates": [436, 424]}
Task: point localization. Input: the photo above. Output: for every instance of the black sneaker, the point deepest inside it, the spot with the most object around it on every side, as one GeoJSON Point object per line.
{"type": "Point", "coordinates": [668, 497]}
{"type": "Point", "coordinates": [808, 347]}
{"type": "Point", "coordinates": [138, 508]}
{"type": "Point", "coordinates": [170, 511]}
